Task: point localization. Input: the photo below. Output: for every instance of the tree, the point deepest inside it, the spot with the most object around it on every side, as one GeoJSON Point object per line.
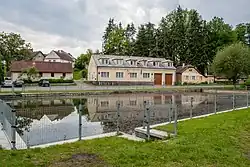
{"type": "Point", "coordinates": [31, 73]}
{"type": "Point", "coordinates": [82, 63]}
{"type": "Point", "coordinates": [130, 33]}
{"type": "Point", "coordinates": [145, 43]}
{"type": "Point", "coordinates": [13, 47]}
{"type": "Point", "coordinates": [232, 62]}
{"type": "Point", "coordinates": [241, 30]}
{"type": "Point", "coordinates": [1, 71]}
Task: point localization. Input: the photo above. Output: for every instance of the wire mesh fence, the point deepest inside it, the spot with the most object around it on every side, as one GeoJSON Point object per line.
{"type": "Point", "coordinates": [43, 121]}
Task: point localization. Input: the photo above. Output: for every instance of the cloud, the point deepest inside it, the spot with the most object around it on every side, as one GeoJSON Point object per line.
{"type": "Point", "coordinates": [76, 25]}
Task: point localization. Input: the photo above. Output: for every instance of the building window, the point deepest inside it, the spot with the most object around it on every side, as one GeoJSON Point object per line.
{"type": "Point", "coordinates": [190, 70]}
{"type": "Point", "coordinates": [105, 61]}
{"type": "Point", "coordinates": [186, 77]}
{"type": "Point", "coordinates": [54, 60]}
{"type": "Point", "coordinates": [193, 77]}
{"type": "Point", "coordinates": [146, 75]}
{"type": "Point", "coordinates": [64, 75]}
{"type": "Point", "coordinates": [41, 74]}
{"type": "Point", "coordinates": [132, 102]}
{"type": "Point", "coordinates": [119, 74]}
{"type": "Point", "coordinates": [133, 75]}
{"type": "Point", "coordinates": [104, 103]}
{"type": "Point", "coordinates": [119, 102]}
{"type": "Point", "coordinates": [105, 74]}
{"type": "Point", "coordinates": [52, 75]}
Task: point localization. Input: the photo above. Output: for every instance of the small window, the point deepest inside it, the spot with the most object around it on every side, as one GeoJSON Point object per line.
{"type": "Point", "coordinates": [190, 70]}
{"type": "Point", "coordinates": [52, 75]}
{"type": "Point", "coordinates": [54, 60]}
{"type": "Point", "coordinates": [41, 74]}
{"type": "Point", "coordinates": [104, 61]}
{"type": "Point", "coordinates": [146, 75]}
{"type": "Point", "coordinates": [132, 102]}
{"type": "Point", "coordinates": [104, 103]}
{"type": "Point", "coordinates": [133, 75]}
{"type": "Point", "coordinates": [64, 75]}
{"type": "Point", "coordinates": [119, 74]}
{"type": "Point", "coordinates": [186, 77]}
{"type": "Point", "coordinates": [193, 77]}
{"type": "Point", "coordinates": [105, 74]}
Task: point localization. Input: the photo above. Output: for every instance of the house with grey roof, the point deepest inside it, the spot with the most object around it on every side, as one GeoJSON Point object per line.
{"type": "Point", "coordinates": [60, 56]}
{"type": "Point", "coordinates": [38, 56]}
{"type": "Point", "coordinates": [128, 70]}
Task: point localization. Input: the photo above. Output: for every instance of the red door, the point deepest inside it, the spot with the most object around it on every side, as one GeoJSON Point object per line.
{"type": "Point", "coordinates": [158, 79]}
{"type": "Point", "coordinates": [169, 79]}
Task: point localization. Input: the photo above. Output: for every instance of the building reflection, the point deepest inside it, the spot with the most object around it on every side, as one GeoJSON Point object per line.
{"type": "Point", "coordinates": [104, 108]}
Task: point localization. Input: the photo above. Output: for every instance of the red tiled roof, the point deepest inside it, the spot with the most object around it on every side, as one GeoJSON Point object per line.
{"type": "Point", "coordinates": [49, 67]}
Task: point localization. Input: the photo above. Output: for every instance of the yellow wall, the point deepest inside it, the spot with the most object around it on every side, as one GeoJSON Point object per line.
{"type": "Point", "coordinates": [187, 76]}
{"type": "Point", "coordinates": [126, 74]}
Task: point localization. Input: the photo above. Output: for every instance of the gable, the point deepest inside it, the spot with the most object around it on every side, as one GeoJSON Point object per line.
{"type": "Point", "coordinates": [191, 70]}
{"type": "Point", "coordinates": [52, 55]}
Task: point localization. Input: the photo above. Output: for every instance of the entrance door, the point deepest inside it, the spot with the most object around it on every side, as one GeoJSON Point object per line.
{"type": "Point", "coordinates": [158, 79]}
{"type": "Point", "coordinates": [169, 79]}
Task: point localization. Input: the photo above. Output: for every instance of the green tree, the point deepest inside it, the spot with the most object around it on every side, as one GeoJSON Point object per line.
{"type": "Point", "coordinates": [82, 63]}
{"type": "Point", "coordinates": [13, 47]}
{"type": "Point", "coordinates": [130, 33]}
{"type": "Point", "coordinates": [241, 30]}
{"type": "Point", "coordinates": [232, 62]}
{"type": "Point", "coordinates": [1, 71]}
{"type": "Point", "coordinates": [145, 43]}
{"type": "Point", "coordinates": [31, 73]}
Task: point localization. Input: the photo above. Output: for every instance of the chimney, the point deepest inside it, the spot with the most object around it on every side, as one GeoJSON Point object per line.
{"type": "Point", "coordinates": [183, 64]}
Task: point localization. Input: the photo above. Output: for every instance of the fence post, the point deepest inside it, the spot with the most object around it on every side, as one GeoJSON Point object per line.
{"type": "Point", "coordinates": [233, 101]}
{"type": "Point", "coordinates": [118, 118]}
{"type": "Point", "coordinates": [175, 120]}
{"type": "Point", "coordinates": [247, 98]}
{"type": "Point", "coordinates": [80, 121]}
{"type": "Point", "coordinates": [148, 123]}
{"type": "Point", "coordinates": [191, 111]}
{"type": "Point", "coordinates": [215, 102]}
{"type": "Point", "coordinates": [144, 114]}
{"type": "Point", "coordinates": [170, 111]}
{"type": "Point", "coordinates": [13, 129]}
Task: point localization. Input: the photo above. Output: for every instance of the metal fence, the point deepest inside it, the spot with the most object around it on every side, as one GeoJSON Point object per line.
{"type": "Point", "coordinates": [43, 121]}
{"type": "Point", "coordinates": [8, 122]}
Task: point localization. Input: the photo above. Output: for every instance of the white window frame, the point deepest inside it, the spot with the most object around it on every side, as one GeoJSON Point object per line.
{"type": "Point", "coordinates": [146, 75]}
{"type": "Point", "coordinates": [133, 75]}
{"type": "Point", "coordinates": [119, 74]}
{"type": "Point", "coordinates": [105, 74]}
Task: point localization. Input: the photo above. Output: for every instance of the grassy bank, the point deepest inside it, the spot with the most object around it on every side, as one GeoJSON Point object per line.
{"type": "Point", "coordinates": [220, 140]}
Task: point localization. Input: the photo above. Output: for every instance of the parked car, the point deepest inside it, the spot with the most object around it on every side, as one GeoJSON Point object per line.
{"type": "Point", "coordinates": [7, 84]}
{"type": "Point", "coordinates": [18, 83]}
{"type": "Point", "coordinates": [44, 83]}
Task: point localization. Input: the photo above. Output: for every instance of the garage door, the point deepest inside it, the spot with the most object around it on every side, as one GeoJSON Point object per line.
{"type": "Point", "coordinates": [158, 79]}
{"type": "Point", "coordinates": [169, 79]}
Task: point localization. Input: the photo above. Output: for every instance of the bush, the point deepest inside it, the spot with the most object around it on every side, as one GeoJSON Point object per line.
{"type": "Point", "coordinates": [61, 80]}
{"type": "Point", "coordinates": [247, 83]}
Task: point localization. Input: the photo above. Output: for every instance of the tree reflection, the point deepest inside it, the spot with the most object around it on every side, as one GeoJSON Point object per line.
{"type": "Point", "coordinates": [23, 124]}
{"type": "Point", "coordinates": [85, 111]}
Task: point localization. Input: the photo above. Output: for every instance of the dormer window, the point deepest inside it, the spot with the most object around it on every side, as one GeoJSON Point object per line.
{"type": "Point", "coordinates": [132, 62]}
{"type": "Point", "coordinates": [118, 61]}
{"type": "Point", "coordinates": [156, 64]}
{"type": "Point", "coordinates": [168, 64]}
{"type": "Point", "coordinates": [104, 61]}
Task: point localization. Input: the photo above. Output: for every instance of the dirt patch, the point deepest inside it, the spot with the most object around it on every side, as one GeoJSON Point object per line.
{"type": "Point", "coordinates": [81, 160]}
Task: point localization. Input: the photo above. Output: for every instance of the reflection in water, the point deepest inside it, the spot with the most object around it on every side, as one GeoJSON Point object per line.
{"type": "Point", "coordinates": [41, 121]}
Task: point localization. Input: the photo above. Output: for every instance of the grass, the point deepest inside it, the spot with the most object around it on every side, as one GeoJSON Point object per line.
{"type": "Point", "coordinates": [218, 141]}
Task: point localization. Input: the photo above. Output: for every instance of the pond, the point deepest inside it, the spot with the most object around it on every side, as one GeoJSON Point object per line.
{"type": "Point", "coordinates": [42, 121]}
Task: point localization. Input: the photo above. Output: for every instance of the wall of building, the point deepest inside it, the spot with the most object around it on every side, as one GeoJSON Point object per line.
{"type": "Point", "coordinates": [39, 57]}
{"type": "Point", "coordinates": [191, 75]}
{"type": "Point", "coordinates": [15, 75]}
{"type": "Point", "coordinates": [92, 71]}
{"type": "Point", "coordinates": [127, 77]}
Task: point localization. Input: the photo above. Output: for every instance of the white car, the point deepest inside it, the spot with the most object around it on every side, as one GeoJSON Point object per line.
{"type": "Point", "coordinates": [7, 83]}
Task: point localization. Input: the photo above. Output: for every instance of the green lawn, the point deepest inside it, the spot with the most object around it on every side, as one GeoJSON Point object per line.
{"type": "Point", "coordinates": [220, 140]}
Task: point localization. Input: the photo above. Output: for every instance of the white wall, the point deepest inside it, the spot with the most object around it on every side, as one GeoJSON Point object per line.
{"type": "Point", "coordinates": [15, 75]}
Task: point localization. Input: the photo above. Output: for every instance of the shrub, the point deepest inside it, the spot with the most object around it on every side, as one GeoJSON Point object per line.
{"type": "Point", "coordinates": [61, 80]}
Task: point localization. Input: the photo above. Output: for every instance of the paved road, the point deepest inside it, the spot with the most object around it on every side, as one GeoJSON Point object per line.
{"type": "Point", "coordinates": [91, 87]}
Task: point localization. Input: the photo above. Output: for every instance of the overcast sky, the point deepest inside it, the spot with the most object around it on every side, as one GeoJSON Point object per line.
{"type": "Point", "coordinates": [76, 25]}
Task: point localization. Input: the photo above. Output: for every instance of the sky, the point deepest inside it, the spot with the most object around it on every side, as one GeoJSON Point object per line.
{"type": "Point", "coordinates": [78, 25]}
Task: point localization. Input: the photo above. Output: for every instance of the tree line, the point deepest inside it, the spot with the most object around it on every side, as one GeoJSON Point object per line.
{"type": "Point", "coordinates": [182, 36]}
